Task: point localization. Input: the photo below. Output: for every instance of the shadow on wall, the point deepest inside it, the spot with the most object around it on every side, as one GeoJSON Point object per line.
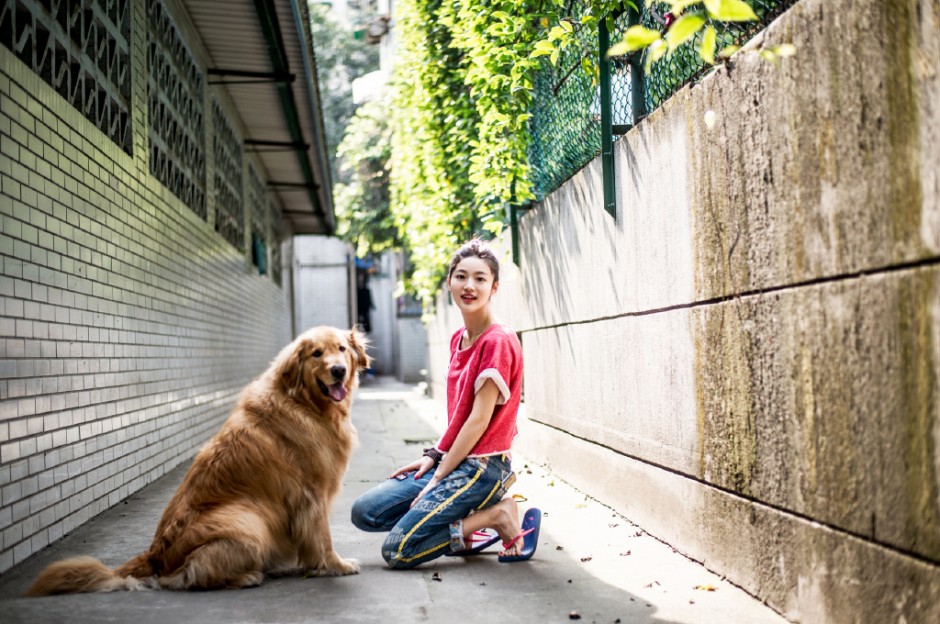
{"type": "Point", "coordinates": [564, 242]}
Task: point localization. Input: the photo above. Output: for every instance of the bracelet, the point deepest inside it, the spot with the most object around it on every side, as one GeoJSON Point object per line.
{"type": "Point", "coordinates": [434, 454]}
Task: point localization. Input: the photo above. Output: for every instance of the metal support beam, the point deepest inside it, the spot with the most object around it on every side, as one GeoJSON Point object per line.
{"type": "Point", "coordinates": [248, 77]}
{"type": "Point", "coordinates": [514, 212]}
{"type": "Point", "coordinates": [292, 185]}
{"type": "Point", "coordinates": [259, 145]}
{"type": "Point", "coordinates": [268, 21]}
{"type": "Point", "coordinates": [607, 138]}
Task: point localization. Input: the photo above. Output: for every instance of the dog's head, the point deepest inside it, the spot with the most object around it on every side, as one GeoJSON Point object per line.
{"type": "Point", "coordinates": [324, 363]}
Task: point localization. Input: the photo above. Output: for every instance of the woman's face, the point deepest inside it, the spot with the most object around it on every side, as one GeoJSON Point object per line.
{"type": "Point", "coordinates": [471, 284]}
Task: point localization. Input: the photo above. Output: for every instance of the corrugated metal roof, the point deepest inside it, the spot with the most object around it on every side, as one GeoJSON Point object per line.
{"type": "Point", "coordinates": [251, 44]}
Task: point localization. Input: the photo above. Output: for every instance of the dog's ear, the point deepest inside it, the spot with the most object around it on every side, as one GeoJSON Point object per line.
{"type": "Point", "coordinates": [358, 343]}
{"type": "Point", "coordinates": [292, 371]}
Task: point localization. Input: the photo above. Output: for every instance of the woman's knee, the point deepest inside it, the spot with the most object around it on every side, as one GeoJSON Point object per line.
{"type": "Point", "coordinates": [363, 516]}
{"type": "Point", "coordinates": [395, 556]}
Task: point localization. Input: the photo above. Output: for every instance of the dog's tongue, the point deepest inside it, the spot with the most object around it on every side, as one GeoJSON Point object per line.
{"type": "Point", "coordinates": [337, 391]}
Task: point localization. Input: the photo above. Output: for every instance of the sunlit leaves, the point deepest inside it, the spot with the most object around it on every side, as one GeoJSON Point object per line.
{"type": "Point", "coordinates": [775, 53]}
{"type": "Point", "coordinates": [730, 10]}
{"type": "Point", "coordinates": [465, 75]}
{"type": "Point", "coordinates": [707, 48]}
{"type": "Point", "coordinates": [693, 23]}
{"type": "Point", "coordinates": [636, 38]}
{"type": "Point", "coordinates": [684, 29]}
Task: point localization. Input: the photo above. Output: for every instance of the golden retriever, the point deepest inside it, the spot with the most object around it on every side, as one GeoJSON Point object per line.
{"type": "Point", "coordinates": [257, 497]}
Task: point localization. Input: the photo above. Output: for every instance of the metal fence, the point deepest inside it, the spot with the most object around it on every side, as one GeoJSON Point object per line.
{"type": "Point", "coordinates": [569, 128]}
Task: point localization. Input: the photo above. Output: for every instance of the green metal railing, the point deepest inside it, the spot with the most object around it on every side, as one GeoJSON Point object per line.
{"type": "Point", "coordinates": [584, 103]}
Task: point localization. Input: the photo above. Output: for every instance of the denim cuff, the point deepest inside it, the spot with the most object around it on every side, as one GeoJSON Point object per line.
{"type": "Point", "coordinates": [456, 536]}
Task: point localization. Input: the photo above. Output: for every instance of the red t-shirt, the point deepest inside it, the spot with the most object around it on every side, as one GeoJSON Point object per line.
{"type": "Point", "coordinates": [496, 355]}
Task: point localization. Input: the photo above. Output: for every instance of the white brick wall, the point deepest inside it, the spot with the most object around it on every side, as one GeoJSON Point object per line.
{"type": "Point", "coordinates": [127, 325]}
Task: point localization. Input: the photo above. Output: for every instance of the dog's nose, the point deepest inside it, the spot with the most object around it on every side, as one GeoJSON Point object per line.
{"type": "Point", "coordinates": [338, 371]}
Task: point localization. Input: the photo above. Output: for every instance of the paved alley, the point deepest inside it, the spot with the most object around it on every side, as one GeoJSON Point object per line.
{"type": "Point", "coordinates": [592, 565]}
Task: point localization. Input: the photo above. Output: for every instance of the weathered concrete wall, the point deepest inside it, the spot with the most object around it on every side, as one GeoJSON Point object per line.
{"type": "Point", "coordinates": [746, 362]}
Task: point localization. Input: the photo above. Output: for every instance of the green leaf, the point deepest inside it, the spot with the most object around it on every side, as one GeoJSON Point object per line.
{"type": "Point", "coordinates": [678, 6]}
{"type": "Point", "coordinates": [727, 51]}
{"type": "Point", "coordinates": [684, 29]}
{"type": "Point", "coordinates": [769, 55]}
{"type": "Point", "coordinates": [542, 48]}
{"type": "Point", "coordinates": [784, 50]}
{"type": "Point", "coordinates": [707, 49]}
{"type": "Point", "coordinates": [657, 50]}
{"type": "Point", "coordinates": [730, 10]}
{"type": "Point", "coordinates": [636, 38]}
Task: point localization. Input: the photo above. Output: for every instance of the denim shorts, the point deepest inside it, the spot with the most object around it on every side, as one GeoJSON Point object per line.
{"type": "Point", "coordinates": [423, 533]}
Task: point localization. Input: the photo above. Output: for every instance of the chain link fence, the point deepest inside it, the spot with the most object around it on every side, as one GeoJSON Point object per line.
{"type": "Point", "coordinates": [565, 127]}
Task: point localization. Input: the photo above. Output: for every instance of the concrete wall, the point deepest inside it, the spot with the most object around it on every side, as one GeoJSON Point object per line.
{"type": "Point", "coordinates": [746, 362]}
{"type": "Point", "coordinates": [127, 325]}
{"type": "Point", "coordinates": [324, 274]}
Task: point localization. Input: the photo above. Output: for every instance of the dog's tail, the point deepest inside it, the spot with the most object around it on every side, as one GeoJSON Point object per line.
{"type": "Point", "coordinates": [87, 575]}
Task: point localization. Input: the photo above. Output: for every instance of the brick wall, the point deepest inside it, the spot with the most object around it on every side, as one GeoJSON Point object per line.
{"type": "Point", "coordinates": [127, 325]}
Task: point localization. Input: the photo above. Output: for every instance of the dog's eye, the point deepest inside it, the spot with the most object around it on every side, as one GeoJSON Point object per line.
{"type": "Point", "coordinates": [317, 353]}
{"type": "Point", "coordinates": [342, 348]}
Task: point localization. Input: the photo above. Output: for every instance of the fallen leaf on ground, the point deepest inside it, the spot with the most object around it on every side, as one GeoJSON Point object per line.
{"type": "Point", "coordinates": [559, 547]}
{"type": "Point", "coordinates": [626, 554]}
{"type": "Point", "coordinates": [706, 587]}
{"type": "Point", "coordinates": [586, 559]}
{"type": "Point", "coordinates": [436, 577]}
{"type": "Point", "coordinates": [574, 615]}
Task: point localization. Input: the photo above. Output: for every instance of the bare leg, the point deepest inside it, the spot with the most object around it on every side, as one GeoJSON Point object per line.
{"type": "Point", "coordinates": [503, 517]}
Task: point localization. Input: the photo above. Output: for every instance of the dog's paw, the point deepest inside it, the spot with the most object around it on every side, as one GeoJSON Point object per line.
{"type": "Point", "coordinates": [339, 567]}
{"type": "Point", "coordinates": [349, 566]}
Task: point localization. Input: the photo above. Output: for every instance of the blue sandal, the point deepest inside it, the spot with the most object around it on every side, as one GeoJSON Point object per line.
{"type": "Point", "coordinates": [531, 524]}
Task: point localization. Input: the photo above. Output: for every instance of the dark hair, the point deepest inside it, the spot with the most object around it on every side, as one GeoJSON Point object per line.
{"type": "Point", "coordinates": [479, 248]}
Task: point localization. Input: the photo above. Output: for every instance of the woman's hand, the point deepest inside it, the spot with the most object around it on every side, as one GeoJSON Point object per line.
{"type": "Point", "coordinates": [419, 467]}
{"type": "Point", "coordinates": [431, 485]}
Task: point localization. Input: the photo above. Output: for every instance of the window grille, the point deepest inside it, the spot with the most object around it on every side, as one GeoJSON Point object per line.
{"type": "Point", "coordinates": [228, 179]}
{"type": "Point", "coordinates": [257, 209]}
{"type": "Point", "coordinates": [80, 49]}
{"type": "Point", "coordinates": [175, 94]}
{"type": "Point", "coordinates": [277, 230]}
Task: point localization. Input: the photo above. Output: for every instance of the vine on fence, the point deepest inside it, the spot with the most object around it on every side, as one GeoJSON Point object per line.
{"type": "Point", "coordinates": [463, 88]}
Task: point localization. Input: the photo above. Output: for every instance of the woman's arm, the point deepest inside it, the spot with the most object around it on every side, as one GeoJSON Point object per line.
{"type": "Point", "coordinates": [484, 404]}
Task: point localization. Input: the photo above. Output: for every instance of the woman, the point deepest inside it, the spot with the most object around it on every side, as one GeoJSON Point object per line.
{"type": "Point", "coordinates": [438, 504]}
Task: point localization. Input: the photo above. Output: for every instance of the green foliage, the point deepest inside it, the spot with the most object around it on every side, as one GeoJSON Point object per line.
{"type": "Point", "coordinates": [340, 60]}
{"type": "Point", "coordinates": [361, 194]}
{"type": "Point", "coordinates": [463, 92]}
{"type": "Point", "coordinates": [463, 87]}
{"type": "Point", "coordinates": [695, 21]}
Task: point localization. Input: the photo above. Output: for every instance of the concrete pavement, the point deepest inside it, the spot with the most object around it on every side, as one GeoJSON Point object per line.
{"type": "Point", "coordinates": [591, 562]}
